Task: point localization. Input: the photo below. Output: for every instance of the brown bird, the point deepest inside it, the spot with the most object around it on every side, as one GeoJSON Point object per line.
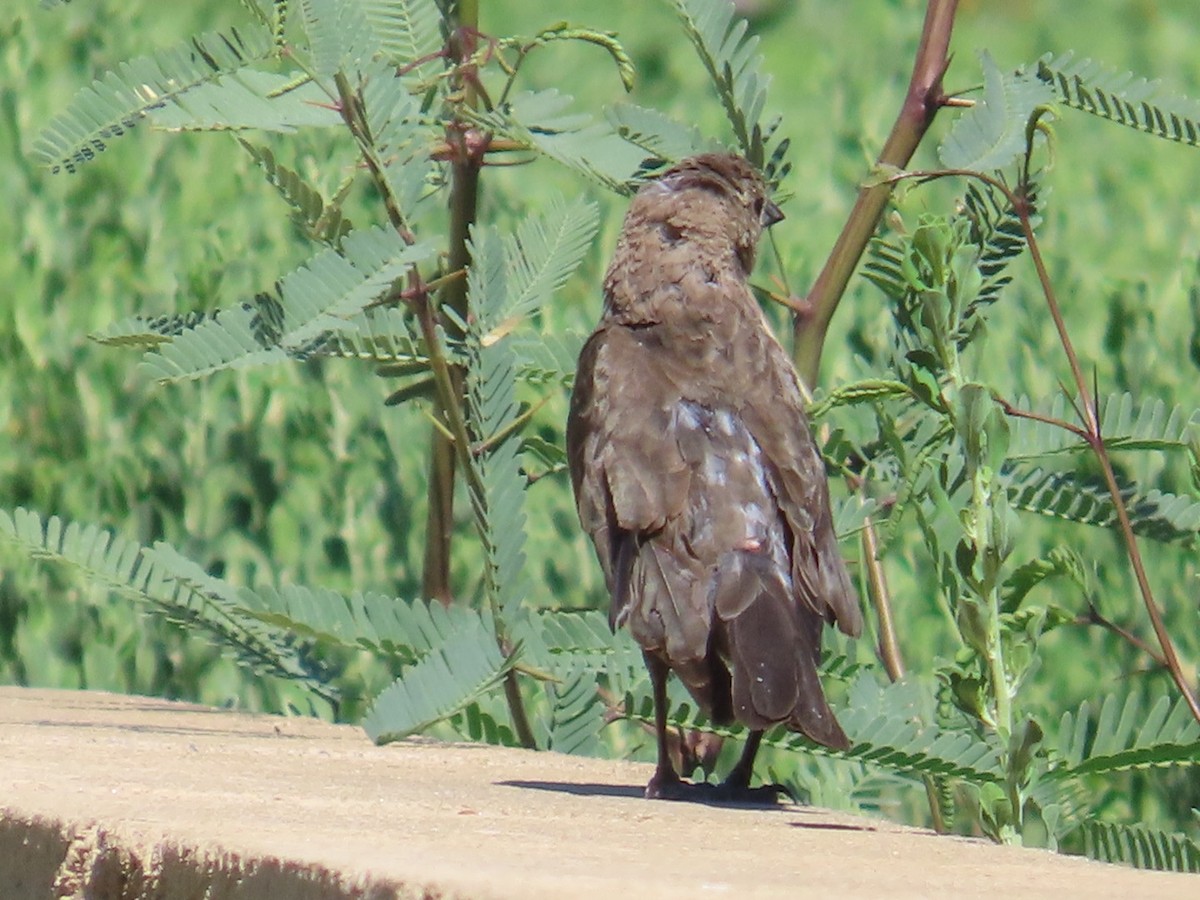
{"type": "Point", "coordinates": [696, 475]}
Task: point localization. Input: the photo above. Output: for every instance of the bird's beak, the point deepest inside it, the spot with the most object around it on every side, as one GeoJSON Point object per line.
{"type": "Point", "coordinates": [771, 213]}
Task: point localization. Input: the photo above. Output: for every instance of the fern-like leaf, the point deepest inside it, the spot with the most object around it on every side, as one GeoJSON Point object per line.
{"type": "Point", "coordinates": [399, 134]}
{"type": "Point", "coordinates": [563, 642]}
{"type": "Point", "coordinates": [541, 121]}
{"type": "Point", "coordinates": [248, 100]}
{"type": "Point", "coordinates": [657, 135]}
{"type": "Point", "coordinates": [322, 296]}
{"type": "Point", "coordinates": [996, 229]}
{"type": "Point", "coordinates": [467, 664]}
{"type": "Point", "coordinates": [385, 626]}
{"type": "Point", "coordinates": [1140, 846]}
{"type": "Point", "coordinates": [481, 727]}
{"type": "Point", "coordinates": [383, 335]}
{"type": "Point", "coordinates": [1129, 425]}
{"type": "Point", "coordinates": [891, 742]}
{"type": "Point", "coordinates": [540, 256]}
{"type": "Point", "coordinates": [992, 134]}
{"type": "Point", "coordinates": [405, 31]}
{"type": "Point", "coordinates": [346, 35]}
{"type": "Point", "coordinates": [1094, 88]}
{"type": "Point", "coordinates": [548, 358]}
{"type": "Point", "coordinates": [1061, 561]}
{"type": "Point", "coordinates": [509, 278]}
{"type": "Point", "coordinates": [116, 102]}
{"type": "Point", "coordinates": [735, 67]}
{"type": "Point", "coordinates": [576, 714]}
{"type": "Point", "coordinates": [320, 221]}
{"type": "Point", "coordinates": [223, 339]}
{"type": "Point", "coordinates": [167, 584]}
{"type": "Point", "coordinates": [148, 331]}
{"type": "Point", "coordinates": [1125, 424]}
{"type": "Point", "coordinates": [1124, 737]}
{"type": "Point", "coordinates": [850, 514]}
{"type": "Point", "coordinates": [498, 490]}
{"type": "Point", "coordinates": [987, 225]}
{"type": "Point", "coordinates": [887, 726]}
{"type": "Point", "coordinates": [339, 35]}
{"type": "Point", "coordinates": [1155, 514]}
{"type": "Point", "coordinates": [882, 727]}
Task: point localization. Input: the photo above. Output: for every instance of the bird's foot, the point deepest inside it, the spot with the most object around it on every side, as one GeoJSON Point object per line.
{"type": "Point", "coordinates": [672, 787]}
{"type": "Point", "coordinates": [666, 785]}
{"type": "Point", "coordinates": [763, 795]}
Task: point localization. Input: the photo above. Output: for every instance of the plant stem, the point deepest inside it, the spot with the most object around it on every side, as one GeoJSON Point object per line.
{"type": "Point", "coordinates": [446, 452]}
{"type": "Point", "coordinates": [924, 98]}
{"type": "Point", "coordinates": [464, 194]}
{"type": "Point", "coordinates": [997, 673]}
{"type": "Point", "coordinates": [889, 647]}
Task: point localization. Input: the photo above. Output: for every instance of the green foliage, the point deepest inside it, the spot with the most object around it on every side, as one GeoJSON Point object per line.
{"type": "Point", "coordinates": [734, 67]}
{"type": "Point", "coordinates": [168, 584]}
{"type": "Point", "coordinates": [994, 132]}
{"type": "Point", "coordinates": [1125, 737]}
{"type": "Point", "coordinates": [1092, 87]}
{"type": "Point", "coordinates": [321, 221]}
{"type": "Point", "coordinates": [115, 103]}
{"type": "Point", "coordinates": [881, 728]}
{"type": "Point", "coordinates": [1162, 516]}
{"type": "Point", "coordinates": [971, 461]}
{"type": "Point", "coordinates": [1142, 847]}
{"type": "Point", "coordinates": [542, 121]}
{"type": "Point", "coordinates": [319, 298]}
{"type": "Point", "coordinates": [467, 664]}
{"type": "Point", "coordinates": [382, 625]}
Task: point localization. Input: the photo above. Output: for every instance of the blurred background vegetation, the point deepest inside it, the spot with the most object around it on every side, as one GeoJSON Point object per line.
{"type": "Point", "coordinates": [299, 474]}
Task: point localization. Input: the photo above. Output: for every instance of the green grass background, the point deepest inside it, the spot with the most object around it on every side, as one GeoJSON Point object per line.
{"type": "Point", "coordinates": [299, 475]}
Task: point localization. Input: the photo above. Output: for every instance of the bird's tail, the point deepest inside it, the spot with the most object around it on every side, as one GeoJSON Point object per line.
{"type": "Point", "coordinates": [773, 646]}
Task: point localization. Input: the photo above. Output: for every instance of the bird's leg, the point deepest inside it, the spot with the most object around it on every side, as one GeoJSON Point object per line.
{"type": "Point", "coordinates": [739, 776]}
{"type": "Point", "coordinates": [736, 786]}
{"type": "Point", "coordinates": [666, 784]}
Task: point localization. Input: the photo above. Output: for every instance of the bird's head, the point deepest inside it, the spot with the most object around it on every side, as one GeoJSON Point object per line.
{"type": "Point", "coordinates": [731, 192]}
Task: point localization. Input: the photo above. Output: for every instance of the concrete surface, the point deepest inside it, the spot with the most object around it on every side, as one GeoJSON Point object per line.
{"type": "Point", "coordinates": [105, 796]}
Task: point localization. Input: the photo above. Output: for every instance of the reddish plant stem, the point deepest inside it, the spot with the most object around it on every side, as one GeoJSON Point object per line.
{"type": "Point", "coordinates": [1095, 440]}
{"type": "Point", "coordinates": [811, 322]}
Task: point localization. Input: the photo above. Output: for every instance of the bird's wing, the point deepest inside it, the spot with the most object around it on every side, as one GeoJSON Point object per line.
{"type": "Point", "coordinates": [774, 413]}
{"type": "Point", "coordinates": [629, 477]}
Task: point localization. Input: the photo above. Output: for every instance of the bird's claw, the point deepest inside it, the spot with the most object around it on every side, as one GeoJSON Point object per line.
{"type": "Point", "coordinates": [725, 793]}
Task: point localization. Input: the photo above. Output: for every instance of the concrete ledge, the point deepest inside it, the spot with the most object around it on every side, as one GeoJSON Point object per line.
{"type": "Point", "coordinates": [125, 797]}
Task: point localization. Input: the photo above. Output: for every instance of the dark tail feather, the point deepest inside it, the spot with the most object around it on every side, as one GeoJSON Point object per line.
{"type": "Point", "coordinates": [774, 646]}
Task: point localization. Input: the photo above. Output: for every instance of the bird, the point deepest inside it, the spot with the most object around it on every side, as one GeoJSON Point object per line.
{"type": "Point", "coordinates": [696, 475]}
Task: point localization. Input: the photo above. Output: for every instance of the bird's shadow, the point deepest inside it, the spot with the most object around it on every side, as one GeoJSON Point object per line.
{"type": "Point", "coordinates": [578, 789]}
{"type": "Point", "coordinates": [633, 791]}
{"type": "Point", "coordinates": [586, 789]}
